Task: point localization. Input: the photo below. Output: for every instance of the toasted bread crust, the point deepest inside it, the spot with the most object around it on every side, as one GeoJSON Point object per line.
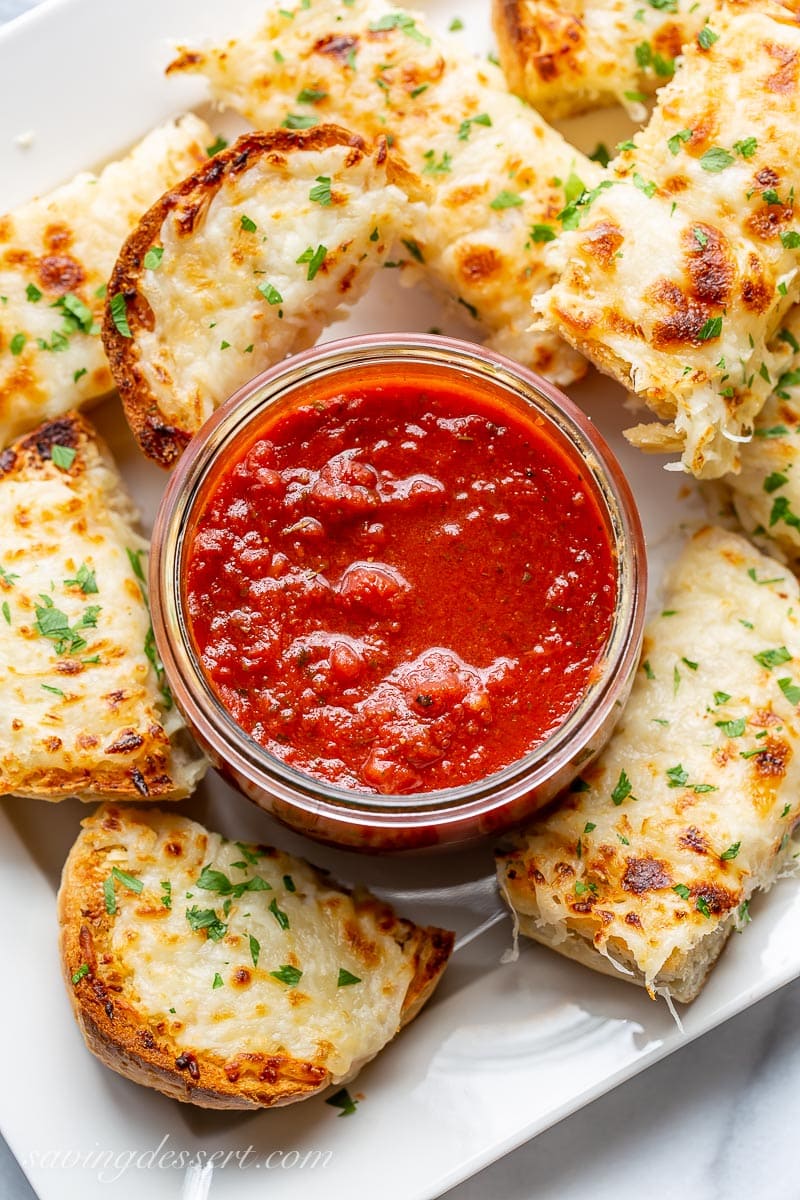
{"type": "Point", "coordinates": [159, 438]}
{"type": "Point", "coordinates": [143, 1050]}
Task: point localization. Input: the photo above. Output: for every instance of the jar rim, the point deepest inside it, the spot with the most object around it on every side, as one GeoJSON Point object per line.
{"type": "Point", "coordinates": [228, 742]}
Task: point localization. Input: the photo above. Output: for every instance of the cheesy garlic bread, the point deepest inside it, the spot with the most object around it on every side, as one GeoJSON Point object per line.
{"type": "Point", "coordinates": [85, 707]}
{"type": "Point", "coordinates": [231, 975]}
{"type": "Point", "coordinates": [650, 860]}
{"type": "Point", "coordinates": [571, 56]}
{"type": "Point", "coordinates": [676, 272]}
{"type": "Point", "coordinates": [56, 254]}
{"type": "Point", "coordinates": [243, 263]}
{"type": "Point", "coordinates": [499, 175]}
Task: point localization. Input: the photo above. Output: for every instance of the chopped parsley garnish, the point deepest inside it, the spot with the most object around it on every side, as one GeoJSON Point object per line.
{"type": "Point", "coordinates": [506, 199]}
{"type": "Point", "coordinates": [217, 980]}
{"type": "Point", "coordinates": [288, 883]}
{"type": "Point", "coordinates": [721, 697]}
{"type": "Point", "coordinates": [310, 96]}
{"type": "Point", "coordinates": [790, 240]}
{"type": "Point", "coordinates": [129, 881]}
{"type": "Point", "coordinates": [706, 37]}
{"type": "Point", "coordinates": [648, 670]}
{"type": "Point", "coordinates": [443, 167]}
{"type": "Point", "coordinates": [747, 147]}
{"type": "Point", "coordinates": [732, 729]}
{"type": "Point", "coordinates": [678, 139]}
{"type": "Point", "coordinates": [455, 25]}
{"type": "Point", "coordinates": [542, 233]}
{"type": "Point", "coordinates": [314, 258]}
{"type": "Point", "coordinates": [211, 880]}
{"type": "Point", "coordinates": [79, 374]}
{"type": "Point", "coordinates": [85, 580]}
{"type": "Point", "coordinates": [53, 690]}
{"type": "Point", "coordinates": [299, 121]}
{"type": "Point", "coordinates": [399, 21]}
{"type": "Point", "coordinates": [53, 624]}
{"type": "Point", "coordinates": [465, 128]}
{"type": "Point", "coordinates": [413, 249]}
{"type": "Point", "coordinates": [744, 914]}
{"type": "Point", "coordinates": [33, 293]}
{"type": "Point", "coordinates": [622, 789]}
{"type": "Point", "coordinates": [279, 915]}
{"type": "Point", "coordinates": [716, 159]}
{"type": "Point", "coordinates": [579, 785]}
{"type": "Point", "coordinates": [17, 344]}
{"type": "Point", "coordinates": [343, 1100]}
{"type": "Point", "coordinates": [346, 979]}
{"type": "Point", "coordinates": [215, 147]}
{"type": "Point", "coordinates": [6, 612]}
{"type": "Point", "coordinates": [773, 658]}
{"type": "Point", "coordinates": [711, 329]}
{"type": "Point", "coordinates": [255, 949]}
{"type": "Point", "coordinates": [677, 776]}
{"type": "Point", "coordinates": [682, 890]}
{"type": "Point", "coordinates": [601, 154]}
{"type": "Point", "coordinates": [206, 918]}
{"type": "Point", "coordinates": [702, 907]}
{"type": "Point", "coordinates": [321, 192]}
{"type": "Point", "coordinates": [119, 314]}
{"type": "Point", "coordinates": [247, 224]}
{"type": "Point", "coordinates": [166, 894]}
{"type": "Point", "coordinates": [7, 577]}
{"type": "Point", "coordinates": [81, 973]}
{"type": "Point", "coordinates": [700, 237]}
{"type": "Point", "coordinates": [731, 852]}
{"type": "Point", "coordinates": [62, 457]}
{"type": "Point", "coordinates": [270, 293]}
{"type": "Point", "coordinates": [790, 690]}
{"type": "Point", "coordinates": [291, 976]}
{"type": "Point", "coordinates": [152, 260]}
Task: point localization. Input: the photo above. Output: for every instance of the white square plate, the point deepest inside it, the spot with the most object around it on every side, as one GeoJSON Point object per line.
{"type": "Point", "coordinates": [503, 1051]}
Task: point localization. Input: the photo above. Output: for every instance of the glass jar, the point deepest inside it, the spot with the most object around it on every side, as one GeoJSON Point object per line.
{"type": "Point", "coordinates": [448, 816]}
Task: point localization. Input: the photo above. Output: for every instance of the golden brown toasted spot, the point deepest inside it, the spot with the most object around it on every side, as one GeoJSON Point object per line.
{"type": "Point", "coordinates": [362, 946]}
{"type": "Point", "coordinates": [128, 741]}
{"type": "Point", "coordinates": [241, 977]}
{"type": "Point", "coordinates": [57, 238]}
{"type": "Point", "coordinates": [710, 266]}
{"type": "Point", "coordinates": [185, 60]}
{"type": "Point", "coordinates": [631, 918]}
{"type": "Point", "coordinates": [771, 763]}
{"type": "Point", "coordinates": [693, 839]}
{"type": "Point", "coordinates": [479, 263]}
{"type": "Point", "coordinates": [755, 291]}
{"type": "Point", "coordinates": [784, 80]}
{"type": "Point", "coordinates": [346, 282]}
{"type": "Point", "coordinates": [174, 848]}
{"type": "Point", "coordinates": [602, 241]}
{"type": "Point", "coordinates": [675, 185]}
{"type": "Point", "coordinates": [683, 320]}
{"type": "Point", "coordinates": [645, 875]}
{"type": "Point", "coordinates": [768, 220]}
{"type": "Point", "coordinates": [336, 47]}
{"type": "Point", "coordinates": [719, 898]}
{"type": "Point", "coordinates": [704, 130]}
{"type": "Point", "coordinates": [52, 743]}
{"type": "Point", "coordinates": [6, 229]}
{"type": "Point", "coordinates": [668, 40]}
{"type": "Point", "coordinates": [59, 273]}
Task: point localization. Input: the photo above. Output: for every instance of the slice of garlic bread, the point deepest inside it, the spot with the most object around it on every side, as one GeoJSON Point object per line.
{"type": "Point", "coordinates": [766, 492]}
{"type": "Point", "coordinates": [675, 277]}
{"type": "Point", "coordinates": [570, 56]}
{"type": "Point", "coordinates": [56, 254]}
{"type": "Point", "coordinates": [499, 175]}
{"type": "Point", "coordinates": [84, 708]}
{"type": "Point", "coordinates": [231, 975]}
{"type": "Point", "coordinates": [651, 859]}
{"type": "Point", "coordinates": [243, 263]}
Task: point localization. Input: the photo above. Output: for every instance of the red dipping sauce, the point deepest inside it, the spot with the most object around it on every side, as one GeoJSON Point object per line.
{"type": "Point", "coordinates": [401, 587]}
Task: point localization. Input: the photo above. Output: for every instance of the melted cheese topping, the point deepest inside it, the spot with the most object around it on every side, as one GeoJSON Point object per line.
{"type": "Point", "coordinates": [214, 987]}
{"type": "Point", "coordinates": [213, 329]}
{"type": "Point", "coordinates": [81, 707]}
{"type": "Point", "coordinates": [567, 56]}
{"type": "Point", "coordinates": [766, 492]}
{"type": "Point", "coordinates": [491, 160]}
{"type": "Point", "coordinates": [60, 249]}
{"type": "Point", "coordinates": [687, 810]}
{"type": "Point", "coordinates": [681, 270]}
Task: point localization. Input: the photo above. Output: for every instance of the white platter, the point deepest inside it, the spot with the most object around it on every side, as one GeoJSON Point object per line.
{"type": "Point", "coordinates": [503, 1051]}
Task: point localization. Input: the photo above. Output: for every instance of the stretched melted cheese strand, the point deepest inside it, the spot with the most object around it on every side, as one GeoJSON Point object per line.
{"type": "Point", "coordinates": [568, 56]}
{"type": "Point", "coordinates": [56, 254]}
{"type": "Point", "coordinates": [84, 709]}
{"type": "Point", "coordinates": [678, 274]}
{"type": "Point", "coordinates": [231, 975]}
{"type": "Point", "coordinates": [766, 492]}
{"type": "Point", "coordinates": [688, 809]}
{"type": "Point", "coordinates": [498, 172]}
{"type": "Point", "coordinates": [243, 264]}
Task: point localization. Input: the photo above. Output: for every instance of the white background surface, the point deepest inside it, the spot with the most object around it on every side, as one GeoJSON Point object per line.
{"type": "Point", "coordinates": [717, 1121]}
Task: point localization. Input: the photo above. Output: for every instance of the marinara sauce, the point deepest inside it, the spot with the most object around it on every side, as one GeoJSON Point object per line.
{"type": "Point", "coordinates": [400, 587]}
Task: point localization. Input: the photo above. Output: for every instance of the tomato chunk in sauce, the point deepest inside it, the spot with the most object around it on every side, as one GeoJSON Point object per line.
{"type": "Point", "coordinates": [400, 588]}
